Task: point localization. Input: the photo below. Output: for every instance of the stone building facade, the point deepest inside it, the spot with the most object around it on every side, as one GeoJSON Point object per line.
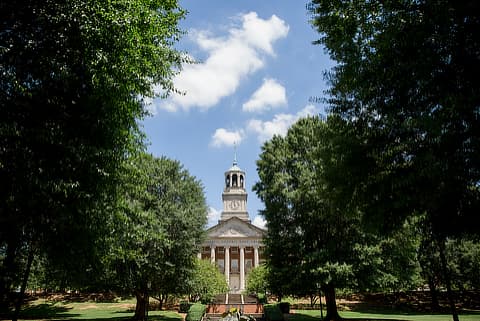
{"type": "Point", "coordinates": [234, 245]}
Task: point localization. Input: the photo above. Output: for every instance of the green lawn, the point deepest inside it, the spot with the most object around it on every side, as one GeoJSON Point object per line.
{"type": "Point", "coordinates": [314, 315]}
{"type": "Point", "coordinates": [123, 310]}
{"type": "Point", "coordinates": [117, 311]}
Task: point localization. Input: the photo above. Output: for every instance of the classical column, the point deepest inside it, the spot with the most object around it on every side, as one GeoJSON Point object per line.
{"type": "Point", "coordinates": [212, 254]}
{"type": "Point", "coordinates": [255, 256]}
{"type": "Point", "coordinates": [242, 268]}
{"type": "Point", "coordinates": [199, 255]}
{"type": "Point", "coordinates": [227, 264]}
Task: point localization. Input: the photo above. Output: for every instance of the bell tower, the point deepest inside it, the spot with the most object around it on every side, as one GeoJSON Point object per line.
{"type": "Point", "coordinates": [234, 195]}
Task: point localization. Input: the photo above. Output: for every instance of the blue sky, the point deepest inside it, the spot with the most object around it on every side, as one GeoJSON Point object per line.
{"type": "Point", "coordinates": [256, 70]}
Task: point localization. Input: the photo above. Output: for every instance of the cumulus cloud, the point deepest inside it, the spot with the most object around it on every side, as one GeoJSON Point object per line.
{"type": "Point", "coordinates": [223, 137]}
{"type": "Point", "coordinates": [279, 124]}
{"type": "Point", "coordinates": [213, 216]}
{"type": "Point", "coordinates": [229, 60]}
{"type": "Point", "coordinates": [259, 222]}
{"type": "Point", "coordinates": [270, 95]}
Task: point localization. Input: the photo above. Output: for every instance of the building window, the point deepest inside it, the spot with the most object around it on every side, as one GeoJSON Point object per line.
{"type": "Point", "coordinates": [221, 266]}
{"type": "Point", "coordinates": [234, 250]}
{"type": "Point", "coordinates": [248, 250]}
{"type": "Point", "coordinates": [227, 181]}
{"type": "Point", "coordinates": [248, 265]}
{"type": "Point", "coordinates": [206, 250]}
{"type": "Point", "coordinates": [234, 267]}
{"type": "Point", "coordinates": [221, 250]}
{"type": "Point", "coordinates": [234, 180]}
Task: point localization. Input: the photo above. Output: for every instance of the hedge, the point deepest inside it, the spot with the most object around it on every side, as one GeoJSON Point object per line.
{"type": "Point", "coordinates": [272, 312]}
{"type": "Point", "coordinates": [284, 307]}
{"type": "Point", "coordinates": [184, 306]}
{"type": "Point", "coordinates": [196, 312]}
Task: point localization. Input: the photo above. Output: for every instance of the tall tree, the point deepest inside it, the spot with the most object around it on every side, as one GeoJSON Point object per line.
{"type": "Point", "coordinates": [407, 77]}
{"type": "Point", "coordinates": [73, 75]}
{"type": "Point", "coordinates": [157, 232]}
{"type": "Point", "coordinates": [313, 232]}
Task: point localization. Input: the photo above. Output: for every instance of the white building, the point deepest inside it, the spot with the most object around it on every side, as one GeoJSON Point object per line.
{"type": "Point", "coordinates": [234, 244]}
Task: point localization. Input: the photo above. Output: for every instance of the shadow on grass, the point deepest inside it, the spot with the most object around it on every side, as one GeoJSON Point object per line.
{"type": "Point", "coordinates": [305, 317]}
{"type": "Point", "coordinates": [61, 313]}
{"type": "Point", "coordinates": [384, 314]}
{"type": "Point", "coordinates": [41, 311]}
{"type": "Point", "coordinates": [402, 310]}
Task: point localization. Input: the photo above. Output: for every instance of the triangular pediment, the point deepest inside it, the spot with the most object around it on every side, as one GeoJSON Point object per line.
{"type": "Point", "coordinates": [235, 228]}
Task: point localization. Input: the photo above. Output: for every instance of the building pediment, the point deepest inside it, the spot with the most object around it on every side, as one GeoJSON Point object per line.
{"type": "Point", "coordinates": [235, 228]}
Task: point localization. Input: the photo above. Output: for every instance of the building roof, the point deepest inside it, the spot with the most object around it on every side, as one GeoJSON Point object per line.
{"type": "Point", "coordinates": [235, 227]}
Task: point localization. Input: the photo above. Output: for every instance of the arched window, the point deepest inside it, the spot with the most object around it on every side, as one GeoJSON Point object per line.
{"type": "Point", "coordinates": [234, 180]}
{"type": "Point", "coordinates": [227, 181]}
{"type": "Point", "coordinates": [241, 181]}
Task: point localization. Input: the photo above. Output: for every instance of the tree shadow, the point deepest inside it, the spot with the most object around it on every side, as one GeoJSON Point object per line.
{"type": "Point", "coordinates": [43, 311]}
{"type": "Point", "coordinates": [298, 316]}
{"type": "Point", "coordinates": [366, 307]}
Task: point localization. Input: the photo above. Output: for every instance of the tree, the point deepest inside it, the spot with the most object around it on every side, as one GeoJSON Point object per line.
{"type": "Point", "coordinates": [257, 281]}
{"type": "Point", "coordinates": [406, 77]}
{"type": "Point", "coordinates": [206, 282]}
{"type": "Point", "coordinates": [314, 236]}
{"type": "Point", "coordinates": [157, 231]}
{"type": "Point", "coordinates": [73, 75]}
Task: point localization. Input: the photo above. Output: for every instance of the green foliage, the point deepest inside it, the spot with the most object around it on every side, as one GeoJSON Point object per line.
{"type": "Point", "coordinates": [316, 238]}
{"type": "Point", "coordinates": [257, 280]}
{"type": "Point", "coordinates": [284, 307]}
{"type": "Point", "coordinates": [196, 312]}
{"type": "Point", "coordinates": [207, 282]}
{"type": "Point", "coordinates": [272, 312]}
{"type": "Point", "coordinates": [157, 230]}
{"type": "Point", "coordinates": [312, 230]}
{"type": "Point", "coordinates": [464, 258]}
{"type": "Point", "coordinates": [73, 76]}
{"type": "Point", "coordinates": [184, 306]}
{"type": "Point", "coordinates": [407, 79]}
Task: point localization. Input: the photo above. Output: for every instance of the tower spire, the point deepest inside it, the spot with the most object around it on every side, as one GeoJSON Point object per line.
{"type": "Point", "coordinates": [235, 153]}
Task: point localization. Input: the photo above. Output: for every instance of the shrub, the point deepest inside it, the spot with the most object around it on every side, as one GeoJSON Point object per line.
{"type": "Point", "coordinates": [284, 307]}
{"type": "Point", "coordinates": [272, 312]}
{"type": "Point", "coordinates": [184, 306]}
{"type": "Point", "coordinates": [262, 298]}
{"type": "Point", "coordinates": [196, 312]}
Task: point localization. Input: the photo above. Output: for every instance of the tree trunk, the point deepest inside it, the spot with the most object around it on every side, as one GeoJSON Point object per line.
{"type": "Point", "coordinates": [433, 294]}
{"type": "Point", "coordinates": [331, 303]}
{"type": "Point", "coordinates": [141, 306]}
{"type": "Point", "coordinates": [26, 274]}
{"type": "Point", "coordinates": [7, 273]}
{"type": "Point", "coordinates": [446, 275]}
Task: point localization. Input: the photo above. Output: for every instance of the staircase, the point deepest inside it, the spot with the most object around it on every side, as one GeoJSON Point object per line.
{"type": "Point", "coordinates": [245, 304]}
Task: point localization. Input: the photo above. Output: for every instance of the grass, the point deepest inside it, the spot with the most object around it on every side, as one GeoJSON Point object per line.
{"type": "Point", "coordinates": [314, 315]}
{"type": "Point", "coordinates": [120, 310]}
{"type": "Point", "coordinates": [113, 311]}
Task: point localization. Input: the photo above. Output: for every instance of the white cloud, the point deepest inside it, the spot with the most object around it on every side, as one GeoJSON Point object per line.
{"type": "Point", "coordinates": [270, 95]}
{"type": "Point", "coordinates": [229, 60]}
{"type": "Point", "coordinates": [279, 124]}
{"type": "Point", "coordinates": [223, 137]}
{"type": "Point", "coordinates": [213, 216]}
{"type": "Point", "coordinates": [259, 222]}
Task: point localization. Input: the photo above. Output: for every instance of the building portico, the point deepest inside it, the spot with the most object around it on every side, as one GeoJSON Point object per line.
{"type": "Point", "coordinates": [234, 245]}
